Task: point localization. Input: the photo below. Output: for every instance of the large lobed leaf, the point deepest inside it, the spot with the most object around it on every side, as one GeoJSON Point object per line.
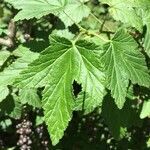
{"type": "Point", "coordinates": [56, 69]}
{"type": "Point", "coordinates": [123, 62]}
{"type": "Point", "coordinates": [69, 11]}
{"type": "Point", "coordinates": [123, 10]}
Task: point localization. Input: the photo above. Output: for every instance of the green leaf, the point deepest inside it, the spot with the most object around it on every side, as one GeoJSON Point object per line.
{"type": "Point", "coordinates": [89, 73]}
{"type": "Point", "coordinates": [123, 10]}
{"type": "Point", "coordinates": [69, 11]}
{"type": "Point", "coordinates": [3, 27]}
{"type": "Point", "coordinates": [56, 69]}
{"type": "Point", "coordinates": [147, 40]}
{"type": "Point", "coordinates": [4, 124]}
{"type": "Point", "coordinates": [30, 96]}
{"type": "Point", "coordinates": [37, 8]}
{"type": "Point", "coordinates": [4, 92]}
{"type": "Point", "coordinates": [6, 106]}
{"type": "Point", "coordinates": [57, 95]}
{"type": "Point", "coordinates": [1, 31]}
{"type": "Point", "coordinates": [148, 142]}
{"type": "Point", "coordinates": [82, 103]}
{"type": "Point", "coordinates": [129, 3]}
{"type": "Point", "coordinates": [145, 15]}
{"type": "Point", "coordinates": [63, 33]}
{"type": "Point", "coordinates": [75, 11]}
{"type": "Point", "coordinates": [3, 56]}
{"type": "Point", "coordinates": [17, 109]}
{"type": "Point", "coordinates": [123, 62]}
{"type": "Point", "coordinates": [39, 120]}
{"type": "Point", "coordinates": [11, 107]}
{"type": "Point", "coordinates": [9, 74]}
{"type": "Point", "coordinates": [1, 12]}
{"type": "Point", "coordinates": [37, 74]}
{"type": "Point", "coordinates": [58, 104]}
{"type": "Point", "coordinates": [145, 110]}
{"type": "Point", "coordinates": [142, 3]}
{"type": "Point", "coordinates": [131, 93]}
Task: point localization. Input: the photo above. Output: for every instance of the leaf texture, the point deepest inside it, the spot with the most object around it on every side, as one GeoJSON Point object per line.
{"type": "Point", "coordinates": [123, 10]}
{"type": "Point", "coordinates": [90, 73]}
{"type": "Point", "coordinates": [3, 57]}
{"type": "Point", "coordinates": [145, 15]}
{"type": "Point", "coordinates": [4, 92]}
{"type": "Point", "coordinates": [123, 62]}
{"type": "Point", "coordinates": [30, 96]}
{"type": "Point", "coordinates": [9, 74]}
{"type": "Point", "coordinates": [56, 69]}
{"type": "Point", "coordinates": [69, 11]}
{"type": "Point", "coordinates": [37, 8]}
{"type": "Point", "coordinates": [76, 10]}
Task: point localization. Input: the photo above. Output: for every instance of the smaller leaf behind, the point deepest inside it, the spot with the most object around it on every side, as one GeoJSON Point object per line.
{"type": "Point", "coordinates": [4, 92]}
{"type": "Point", "coordinates": [30, 96]}
{"type": "Point", "coordinates": [123, 62]}
{"type": "Point", "coordinates": [124, 11]}
{"type": "Point", "coordinates": [36, 8]}
{"type": "Point", "coordinates": [8, 75]}
{"type": "Point", "coordinates": [3, 56]}
{"type": "Point", "coordinates": [74, 12]}
{"type": "Point", "coordinates": [145, 110]}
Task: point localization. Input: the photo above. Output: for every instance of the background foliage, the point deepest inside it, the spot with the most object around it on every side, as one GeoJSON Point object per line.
{"type": "Point", "coordinates": [74, 74]}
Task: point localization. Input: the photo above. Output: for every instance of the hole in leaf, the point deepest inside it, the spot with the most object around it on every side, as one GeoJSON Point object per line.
{"type": "Point", "coordinates": [77, 88]}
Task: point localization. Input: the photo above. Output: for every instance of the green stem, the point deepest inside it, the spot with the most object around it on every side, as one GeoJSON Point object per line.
{"type": "Point", "coordinates": [99, 36]}
{"type": "Point", "coordinates": [98, 20]}
{"type": "Point", "coordinates": [85, 31]}
{"type": "Point", "coordinates": [95, 18]}
{"type": "Point", "coordinates": [77, 37]}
